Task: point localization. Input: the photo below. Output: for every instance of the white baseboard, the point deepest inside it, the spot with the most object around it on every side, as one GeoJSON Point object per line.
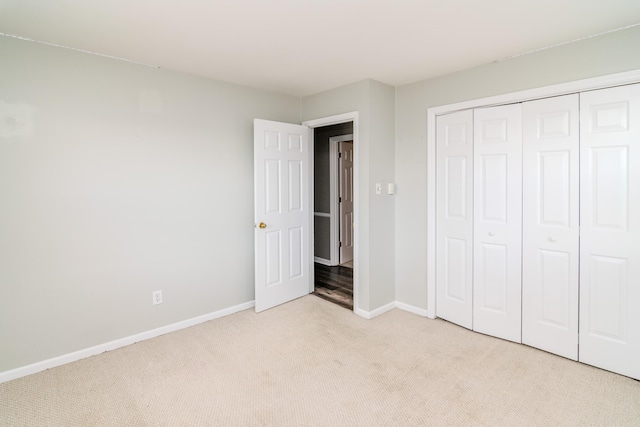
{"type": "Point", "coordinates": [377, 312]}
{"type": "Point", "coordinates": [122, 342]}
{"type": "Point", "coordinates": [322, 261]}
{"type": "Point", "coordinates": [412, 309]}
{"type": "Point", "coordinates": [395, 304]}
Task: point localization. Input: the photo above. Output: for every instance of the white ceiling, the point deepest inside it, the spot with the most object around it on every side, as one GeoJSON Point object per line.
{"type": "Point", "coordinates": [301, 47]}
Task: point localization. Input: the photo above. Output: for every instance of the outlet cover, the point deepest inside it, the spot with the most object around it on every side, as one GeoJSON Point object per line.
{"type": "Point", "coordinates": [157, 297]}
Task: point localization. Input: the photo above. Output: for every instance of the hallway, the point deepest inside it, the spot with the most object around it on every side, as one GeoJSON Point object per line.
{"type": "Point", "coordinates": [334, 284]}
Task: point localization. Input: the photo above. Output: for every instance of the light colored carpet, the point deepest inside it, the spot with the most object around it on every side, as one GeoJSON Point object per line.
{"type": "Point", "coordinates": [312, 363]}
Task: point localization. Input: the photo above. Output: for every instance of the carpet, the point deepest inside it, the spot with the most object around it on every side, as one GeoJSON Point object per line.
{"type": "Point", "coordinates": [313, 363]}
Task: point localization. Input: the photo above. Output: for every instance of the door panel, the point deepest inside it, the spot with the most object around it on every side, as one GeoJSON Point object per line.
{"type": "Point", "coordinates": [609, 287]}
{"type": "Point", "coordinates": [493, 269]}
{"type": "Point", "coordinates": [456, 171]}
{"type": "Point", "coordinates": [610, 237]}
{"type": "Point", "coordinates": [492, 177]}
{"type": "Point", "coordinates": [281, 171]}
{"type": "Point", "coordinates": [296, 252]}
{"type": "Point", "coordinates": [610, 182]}
{"type": "Point", "coordinates": [456, 270]}
{"type": "Point", "coordinates": [273, 256]}
{"type": "Point", "coordinates": [295, 185]}
{"type": "Point", "coordinates": [497, 223]}
{"type": "Point", "coordinates": [454, 216]}
{"type": "Point", "coordinates": [346, 200]}
{"type": "Point", "coordinates": [555, 270]}
{"type": "Point", "coordinates": [550, 225]}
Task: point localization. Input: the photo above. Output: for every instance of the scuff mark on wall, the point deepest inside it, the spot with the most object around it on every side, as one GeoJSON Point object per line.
{"type": "Point", "coordinates": [16, 120]}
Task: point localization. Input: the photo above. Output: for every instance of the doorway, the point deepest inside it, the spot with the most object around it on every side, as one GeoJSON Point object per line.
{"type": "Point", "coordinates": [333, 213]}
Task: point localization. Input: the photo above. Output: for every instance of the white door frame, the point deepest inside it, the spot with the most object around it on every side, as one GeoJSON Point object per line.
{"type": "Point", "coordinates": [334, 192]}
{"type": "Point", "coordinates": [327, 121]}
{"type": "Point", "coordinates": [601, 82]}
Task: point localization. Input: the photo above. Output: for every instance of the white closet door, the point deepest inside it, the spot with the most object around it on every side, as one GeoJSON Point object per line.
{"type": "Point", "coordinates": [550, 230]}
{"type": "Point", "coordinates": [497, 239]}
{"type": "Point", "coordinates": [454, 216]}
{"type": "Point", "coordinates": [610, 237]}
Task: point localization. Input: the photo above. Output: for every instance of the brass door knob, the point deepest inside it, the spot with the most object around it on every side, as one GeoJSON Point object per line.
{"type": "Point", "coordinates": [262, 225]}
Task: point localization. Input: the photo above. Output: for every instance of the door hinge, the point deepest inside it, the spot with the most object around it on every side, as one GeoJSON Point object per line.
{"type": "Point", "coordinates": [339, 199]}
{"type": "Point", "coordinates": [339, 154]}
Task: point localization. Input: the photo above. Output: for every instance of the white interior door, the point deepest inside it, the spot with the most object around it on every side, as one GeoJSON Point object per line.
{"type": "Point", "coordinates": [454, 218]}
{"type": "Point", "coordinates": [497, 237]}
{"type": "Point", "coordinates": [346, 200]}
{"type": "Point", "coordinates": [610, 235]}
{"type": "Point", "coordinates": [550, 235]}
{"type": "Point", "coordinates": [281, 212]}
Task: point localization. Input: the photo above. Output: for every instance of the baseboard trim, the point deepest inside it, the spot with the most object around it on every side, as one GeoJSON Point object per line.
{"type": "Point", "coordinates": [412, 309]}
{"type": "Point", "coordinates": [322, 261]}
{"type": "Point", "coordinates": [122, 342]}
{"type": "Point", "coordinates": [395, 304]}
{"type": "Point", "coordinates": [377, 312]}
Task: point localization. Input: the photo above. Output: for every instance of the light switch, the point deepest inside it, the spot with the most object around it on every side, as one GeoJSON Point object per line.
{"type": "Point", "coordinates": [391, 188]}
{"type": "Point", "coordinates": [378, 188]}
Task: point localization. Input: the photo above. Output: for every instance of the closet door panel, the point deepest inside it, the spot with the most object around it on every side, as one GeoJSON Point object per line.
{"type": "Point", "coordinates": [610, 237]}
{"type": "Point", "coordinates": [454, 217]}
{"type": "Point", "coordinates": [550, 234]}
{"type": "Point", "coordinates": [497, 221]}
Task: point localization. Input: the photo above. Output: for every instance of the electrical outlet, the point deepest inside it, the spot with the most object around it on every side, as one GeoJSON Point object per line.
{"type": "Point", "coordinates": [156, 297]}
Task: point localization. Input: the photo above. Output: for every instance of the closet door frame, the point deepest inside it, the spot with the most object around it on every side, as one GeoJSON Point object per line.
{"type": "Point", "coordinates": [521, 96]}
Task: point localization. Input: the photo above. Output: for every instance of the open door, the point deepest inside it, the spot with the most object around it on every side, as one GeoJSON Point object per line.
{"type": "Point", "coordinates": [281, 213]}
{"type": "Point", "coordinates": [346, 201]}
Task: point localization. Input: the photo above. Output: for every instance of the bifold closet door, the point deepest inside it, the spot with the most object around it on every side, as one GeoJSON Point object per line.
{"type": "Point", "coordinates": [550, 228]}
{"type": "Point", "coordinates": [454, 217]}
{"type": "Point", "coordinates": [497, 236]}
{"type": "Point", "coordinates": [610, 235]}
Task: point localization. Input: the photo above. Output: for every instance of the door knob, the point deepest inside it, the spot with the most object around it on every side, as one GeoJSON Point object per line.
{"type": "Point", "coordinates": [262, 225]}
{"type": "Point", "coordinates": [491, 233]}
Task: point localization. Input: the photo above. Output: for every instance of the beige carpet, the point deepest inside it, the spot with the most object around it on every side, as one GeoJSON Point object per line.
{"type": "Point", "coordinates": [311, 363]}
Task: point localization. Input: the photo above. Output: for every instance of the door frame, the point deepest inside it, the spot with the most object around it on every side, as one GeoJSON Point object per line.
{"type": "Point", "coordinates": [583, 85]}
{"type": "Point", "coordinates": [328, 121]}
{"type": "Point", "coordinates": [334, 193]}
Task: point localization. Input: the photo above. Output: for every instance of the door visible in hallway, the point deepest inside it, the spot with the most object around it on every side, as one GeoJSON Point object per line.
{"type": "Point", "coordinates": [346, 201]}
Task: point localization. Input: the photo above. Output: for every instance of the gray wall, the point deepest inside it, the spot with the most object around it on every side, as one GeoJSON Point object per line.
{"type": "Point", "coordinates": [115, 180]}
{"type": "Point", "coordinates": [607, 54]}
{"type": "Point", "coordinates": [321, 185]}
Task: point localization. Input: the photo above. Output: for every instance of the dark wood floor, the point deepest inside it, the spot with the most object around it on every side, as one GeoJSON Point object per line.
{"type": "Point", "coordinates": [334, 284]}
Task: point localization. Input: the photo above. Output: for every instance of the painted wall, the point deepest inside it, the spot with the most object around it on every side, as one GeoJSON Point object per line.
{"type": "Point", "coordinates": [382, 217]}
{"type": "Point", "coordinates": [375, 150]}
{"type": "Point", "coordinates": [607, 54]}
{"type": "Point", "coordinates": [116, 180]}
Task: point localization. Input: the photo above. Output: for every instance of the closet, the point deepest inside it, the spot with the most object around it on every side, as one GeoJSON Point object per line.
{"type": "Point", "coordinates": [538, 224]}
